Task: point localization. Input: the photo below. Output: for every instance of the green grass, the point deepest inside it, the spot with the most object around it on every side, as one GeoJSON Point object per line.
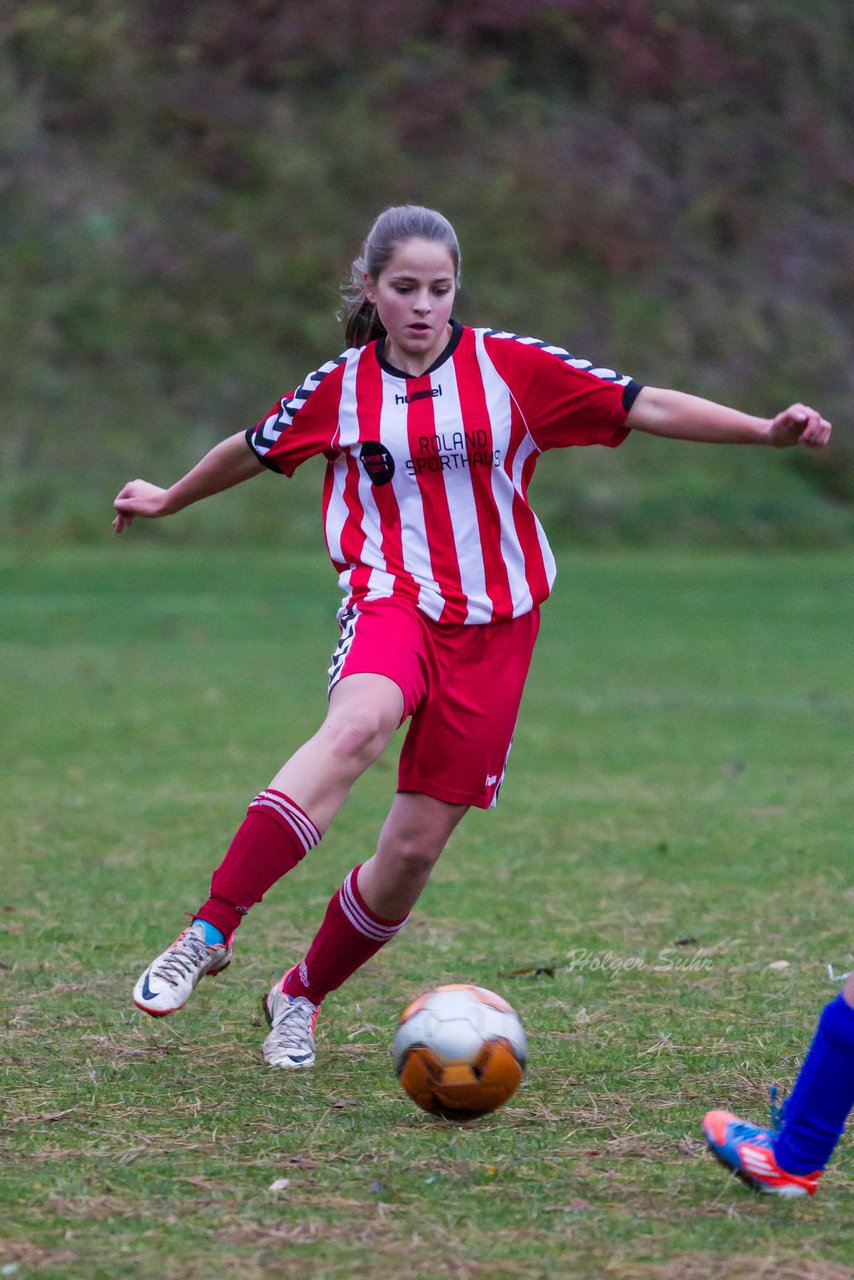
{"type": "Point", "coordinates": [677, 809]}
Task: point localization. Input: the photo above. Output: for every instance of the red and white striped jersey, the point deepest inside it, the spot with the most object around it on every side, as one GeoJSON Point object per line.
{"type": "Point", "coordinates": [426, 485]}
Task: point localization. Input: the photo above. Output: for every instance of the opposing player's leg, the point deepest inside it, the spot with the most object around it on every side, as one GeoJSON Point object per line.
{"type": "Point", "coordinates": [282, 825]}
{"type": "Point", "coordinates": [789, 1158]}
{"type": "Point", "coordinates": [365, 913]}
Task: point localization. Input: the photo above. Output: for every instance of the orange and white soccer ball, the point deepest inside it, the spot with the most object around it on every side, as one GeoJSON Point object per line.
{"type": "Point", "coordinates": [460, 1051]}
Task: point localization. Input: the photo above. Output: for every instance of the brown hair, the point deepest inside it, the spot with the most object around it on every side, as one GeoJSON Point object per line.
{"type": "Point", "coordinates": [392, 228]}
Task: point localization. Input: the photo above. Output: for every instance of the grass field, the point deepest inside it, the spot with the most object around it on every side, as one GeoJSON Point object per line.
{"type": "Point", "coordinates": [671, 863]}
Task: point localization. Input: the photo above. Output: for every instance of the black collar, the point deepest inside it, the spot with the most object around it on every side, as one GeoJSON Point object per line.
{"type": "Point", "coordinates": [449, 349]}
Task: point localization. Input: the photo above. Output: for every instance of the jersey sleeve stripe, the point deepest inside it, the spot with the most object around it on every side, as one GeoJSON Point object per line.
{"type": "Point", "coordinates": [587, 366]}
{"type": "Point", "coordinates": [264, 436]}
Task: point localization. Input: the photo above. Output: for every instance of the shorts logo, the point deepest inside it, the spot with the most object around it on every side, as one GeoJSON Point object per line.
{"type": "Point", "coordinates": [377, 461]}
{"type": "Point", "coordinates": [491, 779]}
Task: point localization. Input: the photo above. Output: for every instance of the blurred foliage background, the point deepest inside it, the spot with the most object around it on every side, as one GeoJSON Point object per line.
{"type": "Point", "coordinates": [666, 187]}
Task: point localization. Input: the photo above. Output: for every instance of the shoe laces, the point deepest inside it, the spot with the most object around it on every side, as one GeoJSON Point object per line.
{"type": "Point", "coordinates": [293, 1025]}
{"type": "Point", "coordinates": [776, 1111]}
{"type": "Point", "coordinates": [183, 959]}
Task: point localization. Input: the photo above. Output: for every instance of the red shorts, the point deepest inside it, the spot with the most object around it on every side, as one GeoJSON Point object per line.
{"type": "Point", "coordinates": [461, 685]}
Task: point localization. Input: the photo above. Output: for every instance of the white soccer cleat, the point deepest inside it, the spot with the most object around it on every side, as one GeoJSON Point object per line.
{"type": "Point", "coordinates": [292, 1020]}
{"type": "Point", "coordinates": [169, 981]}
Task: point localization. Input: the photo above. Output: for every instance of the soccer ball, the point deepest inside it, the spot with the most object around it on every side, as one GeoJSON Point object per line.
{"type": "Point", "coordinates": [460, 1051]}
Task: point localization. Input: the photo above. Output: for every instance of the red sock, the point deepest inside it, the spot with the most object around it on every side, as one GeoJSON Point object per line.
{"type": "Point", "coordinates": [274, 836]}
{"type": "Point", "coordinates": [349, 935]}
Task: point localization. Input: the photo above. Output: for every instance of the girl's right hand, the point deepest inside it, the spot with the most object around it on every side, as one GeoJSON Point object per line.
{"type": "Point", "coordinates": [139, 498]}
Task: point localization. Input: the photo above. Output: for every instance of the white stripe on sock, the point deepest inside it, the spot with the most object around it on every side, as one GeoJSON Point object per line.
{"type": "Point", "coordinates": [299, 830]}
{"type": "Point", "coordinates": [298, 816]}
{"type": "Point", "coordinates": [361, 922]}
{"type": "Point", "coordinates": [290, 811]}
{"type": "Point", "coordinates": [301, 825]}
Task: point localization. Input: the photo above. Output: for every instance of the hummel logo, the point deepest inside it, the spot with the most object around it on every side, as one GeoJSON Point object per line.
{"type": "Point", "coordinates": [491, 779]}
{"type": "Point", "coordinates": [429, 394]}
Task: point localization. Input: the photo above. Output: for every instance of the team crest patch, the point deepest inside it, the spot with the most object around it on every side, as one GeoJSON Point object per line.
{"type": "Point", "coordinates": [377, 461]}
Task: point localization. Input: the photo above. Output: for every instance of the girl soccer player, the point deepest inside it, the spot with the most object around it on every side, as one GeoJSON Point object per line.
{"type": "Point", "coordinates": [431, 431]}
{"type": "Point", "coordinates": [789, 1160]}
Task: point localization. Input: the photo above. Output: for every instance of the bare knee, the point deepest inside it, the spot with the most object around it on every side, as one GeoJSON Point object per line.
{"type": "Point", "coordinates": [411, 856]}
{"type": "Point", "coordinates": [357, 739]}
{"type": "Point", "coordinates": [416, 863]}
{"type": "Point", "coordinates": [414, 835]}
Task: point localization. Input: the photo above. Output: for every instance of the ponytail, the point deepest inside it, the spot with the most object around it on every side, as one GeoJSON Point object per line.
{"type": "Point", "coordinates": [392, 228]}
{"type": "Point", "coordinates": [361, 322]}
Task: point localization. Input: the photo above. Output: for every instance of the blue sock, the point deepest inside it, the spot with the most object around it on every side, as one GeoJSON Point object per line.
{"type": "Point", "coordinates": [212, 934]}
{"type": "Point", "coordinates": [823, 1094]}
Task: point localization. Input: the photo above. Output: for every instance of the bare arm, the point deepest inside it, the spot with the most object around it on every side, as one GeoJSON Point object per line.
{"type": "Point", "coordinates": [684, 417]}
{"type": "Point", "coordinates": [228, 463]}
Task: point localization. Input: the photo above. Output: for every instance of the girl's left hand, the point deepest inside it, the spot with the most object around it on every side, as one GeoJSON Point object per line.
{"type": "Point", "coordinates": [799, 425]}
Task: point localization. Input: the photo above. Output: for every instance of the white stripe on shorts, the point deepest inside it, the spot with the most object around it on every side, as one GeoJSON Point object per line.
{"type": "Point", "coordinates": [497, 792]}
{"type": "Point", "coordinates": [347, 619]}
